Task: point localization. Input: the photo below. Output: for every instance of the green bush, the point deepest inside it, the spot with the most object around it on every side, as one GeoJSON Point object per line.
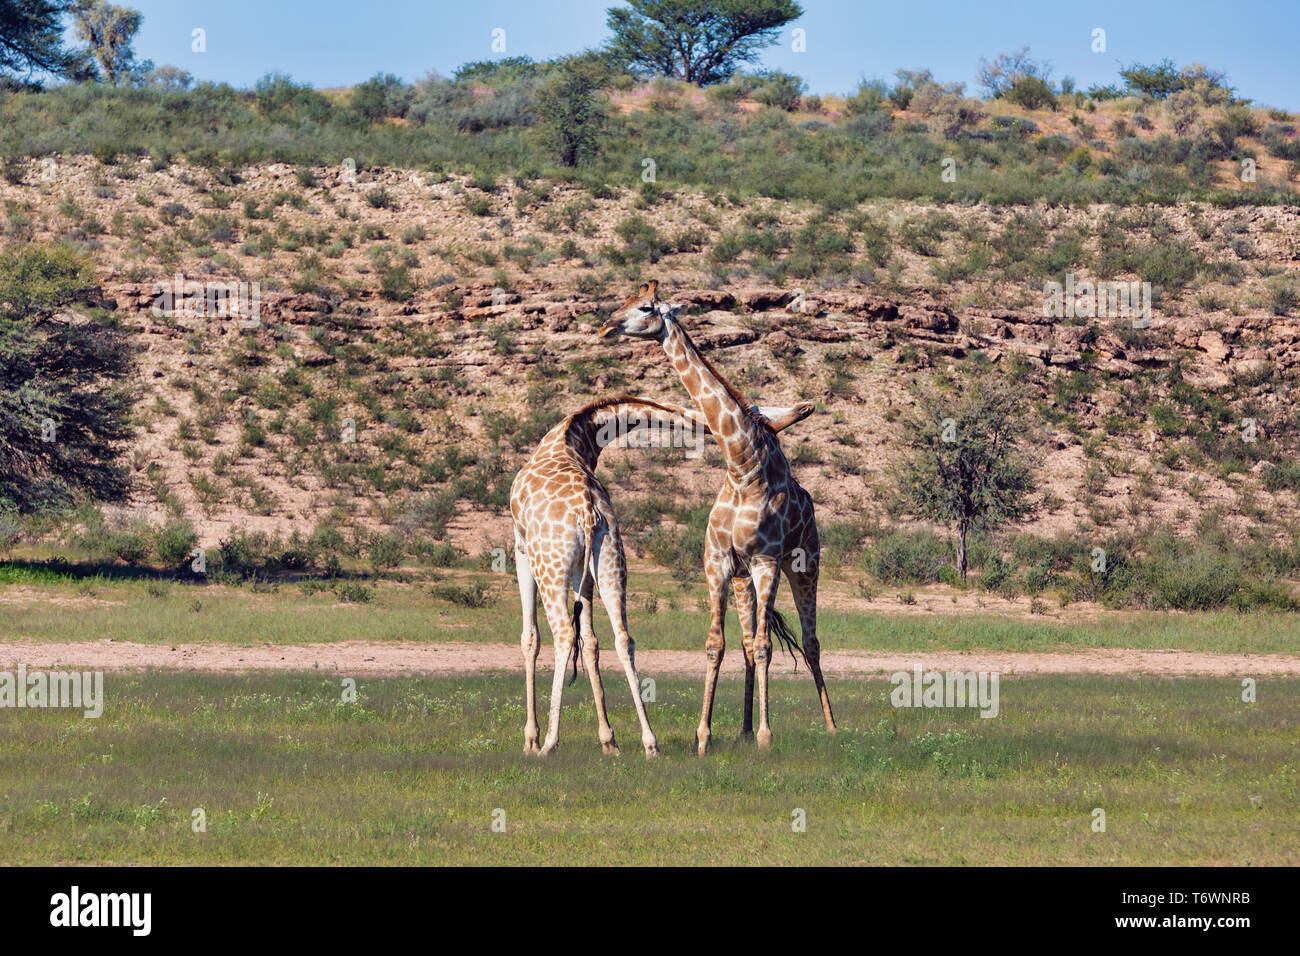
{"type": "Point", "coordinates": [1285, 475]}
{"type": "Point", "coordinates": [1203, 579]}
{"type": "Point", "coordinates": [353, 592]}
{"type": "Point", "coordinates": [781, 90]}
{"type": "Point", "coordinates": [175, 541]}
{"type": "Point", "coordinates": [998, 573]}
{"type": "Point", "coordinates": [386, 550]}
{"type": "Point", "coordinates": [910, 557]}
{"type": "Point", "coordinates": [1266, 593]}
{"type": "Point", "coordinates": [1031, 93]}
{"type": "Point", "coordinates": [681, 550]}
{"type": "Point", "coordinates": [473, 595]}
{"type": "Point", "coordinates": [841, 540]}
{"type": "Point", "coordinates": [437, 554]}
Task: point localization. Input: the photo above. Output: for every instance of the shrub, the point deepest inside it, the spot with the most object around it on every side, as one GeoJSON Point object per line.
{"type": "Point", "coordinates": [781, 90]}
{"type": "Point", "coordinates": [910, 557]}
{"type": "Point", "coordinates": [353, 592]}
{"type": "Point", "coordinates": [438, 554]}
{"type": "Point", "coordinates": [381, 96]}
{"type": "Point", "coordinates": [1269, 593]}
{"type": "Point", "coordinates": [841, 540]}
{"type": "Point", "coordinates": [998, 573]}
{"type": "Point", "coordinates": [1203, 579]}
{"type": "Point", "coordinates": [380, 198]}
{"type": "Point", "coordinates": [473, 595]}
{"type": "Point", "coordinates": [573, 107]}
{"type": "Point", "coordinates": [1031, 93]}
{"type": "Point", "coordinates": [175, 541]}
{"type": "Point", "coordinates": [1282, 297]}
{"type": "Point", "coordinates": [1285, 475]}
{"type": "Point", "coordinates": [386, 550]}
{"type": "Point", "coordinates": [682, 551]}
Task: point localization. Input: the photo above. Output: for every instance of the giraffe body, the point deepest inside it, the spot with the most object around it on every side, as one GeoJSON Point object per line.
{"type": "Point", "coordinates": [567, 544]}
{"type": "Point", "coordinates": [762, 524]}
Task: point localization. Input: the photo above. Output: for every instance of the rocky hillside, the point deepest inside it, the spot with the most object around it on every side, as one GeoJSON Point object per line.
{"type": "Point", "coordinates": [418, 333]}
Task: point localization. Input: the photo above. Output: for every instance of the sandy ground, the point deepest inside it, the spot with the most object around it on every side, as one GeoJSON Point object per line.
{"type": "Point", "coordinates": [395, 659]}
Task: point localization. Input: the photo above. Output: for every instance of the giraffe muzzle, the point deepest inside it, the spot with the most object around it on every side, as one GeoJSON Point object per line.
{"type": "Point", "coordinates": [608, 329]}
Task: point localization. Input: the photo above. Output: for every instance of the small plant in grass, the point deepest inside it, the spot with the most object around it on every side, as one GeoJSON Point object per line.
{"type": "Point", "coordinates": [353, 592]}
{"type": "Point", "coordinates": [473, 595]}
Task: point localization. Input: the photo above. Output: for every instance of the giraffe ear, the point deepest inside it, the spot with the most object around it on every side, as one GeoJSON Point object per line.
{"type": "Point", "coordinates": [652, 288]}
{"type": "Point", "coordinates": [642, 289]}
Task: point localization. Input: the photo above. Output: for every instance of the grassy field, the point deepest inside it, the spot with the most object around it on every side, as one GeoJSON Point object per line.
{"type": "Point", "coordinates": [127, 610]}
{"type": "Point", "coordinates": [414, 770]}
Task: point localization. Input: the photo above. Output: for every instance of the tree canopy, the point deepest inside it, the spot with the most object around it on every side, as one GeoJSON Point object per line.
{"type": "Point", "coordinates": [31, 41]}
{"type": "Point", "coordinates": [966, 465]}
{"type": "Point", "coordinates": [699, 41]}
{"type": "Point", "coordinates": [64, 407]}
{"type": "Point", "coordinates": [108, 31]}
{"type": "Point", "coordinates": [572, 107]}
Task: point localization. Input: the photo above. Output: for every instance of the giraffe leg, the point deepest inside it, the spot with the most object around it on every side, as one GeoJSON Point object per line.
{"type": "Point", "coordinates": [612, 574]}
{"type": "Point", "coordinates": [714, 648]}
{"type": "Point", "coordinates": [558, 616]}
{"type": "Point", "coordinates": [529, 644]}
{"type": "Point", "coordinates": [591, 659]}
{"type": "Point", "coordinates": [803, 585]}
{"type": "Point", "coordinates": [743, 591]}
{"type": "Point", "coordinates": [765, 573]}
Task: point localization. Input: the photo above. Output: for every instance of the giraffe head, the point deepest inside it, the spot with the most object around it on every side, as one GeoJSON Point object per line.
{"type": "Point", "coordinates": [779, 419]}
{"type": "Point", "coordinates": [642, 316]}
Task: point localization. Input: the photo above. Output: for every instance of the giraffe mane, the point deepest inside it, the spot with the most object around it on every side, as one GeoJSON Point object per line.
{"type": "Point", "coordinates": [610, 400]}
{"type": "Point", "coordinates": [731, 389]}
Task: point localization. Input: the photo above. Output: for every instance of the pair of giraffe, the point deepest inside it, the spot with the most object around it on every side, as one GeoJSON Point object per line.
{"type": "Point", "coordinates": [566, 536]}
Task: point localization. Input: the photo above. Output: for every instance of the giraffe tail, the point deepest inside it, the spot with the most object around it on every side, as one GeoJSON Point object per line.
{"type": "Point", "coordinates": [778, 628]}
{"type": "Point", "coordinates": [577, 605]}
{"type": "Point", "coordinates": [577, 638]}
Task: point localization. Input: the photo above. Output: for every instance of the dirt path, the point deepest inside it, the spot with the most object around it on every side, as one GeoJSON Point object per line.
{"type": "Point", "coordinates": [392, 659]}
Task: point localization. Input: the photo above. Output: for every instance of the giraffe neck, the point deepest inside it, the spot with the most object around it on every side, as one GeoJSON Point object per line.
{"type": "Point", "coordinates": [635, 424]}
{"type": "Point", "coordinates": [746, 445]}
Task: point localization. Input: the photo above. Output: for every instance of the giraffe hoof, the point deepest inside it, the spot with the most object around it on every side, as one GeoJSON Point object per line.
{"type": "Point", "coordinates": [651, 752]}
{"type": "Point", "coordinates": [765, 740]}
{"type": "Point", "coordinates": [531, 749]}
{"type": "Point", "coordinates": [610, 749]}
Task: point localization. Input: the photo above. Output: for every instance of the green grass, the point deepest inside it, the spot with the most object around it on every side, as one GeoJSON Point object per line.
{"type": "Point", "coordinates": [413, 771]}
{"type": "Point", "coordinates": [175, 613]}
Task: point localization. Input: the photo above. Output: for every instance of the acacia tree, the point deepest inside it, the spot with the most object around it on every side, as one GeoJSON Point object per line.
{"type": "Point", "coordinates": [966, 465]}
{"type": "Point", "coordinates": [571, 105]}
{"type": "Point", "coordinates": [109, 30]}
{"type": "Point", "coordinates": [699, 41]}
{"type": "Point", "coordinates": [1002, 74]}
{"type": "Point", "coordinates": [64, 405]}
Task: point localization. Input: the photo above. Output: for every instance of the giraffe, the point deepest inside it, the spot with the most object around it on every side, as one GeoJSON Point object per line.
{"type": "Point", "coordinates": [566, 537]}
{"type": "Point", "coordinates": [762, 522]}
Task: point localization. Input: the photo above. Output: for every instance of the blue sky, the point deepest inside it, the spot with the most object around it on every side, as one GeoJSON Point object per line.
{"type": "Point", "coordinates": [340, 42]}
